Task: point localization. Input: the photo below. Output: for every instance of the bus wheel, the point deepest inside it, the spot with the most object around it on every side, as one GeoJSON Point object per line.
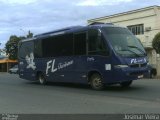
{"type": "Point", "coordinates": [41, 79]}
{"type": "Point", "coordinates": [126, 84]}
{"type": "Point", "coordinates": [96, 82]}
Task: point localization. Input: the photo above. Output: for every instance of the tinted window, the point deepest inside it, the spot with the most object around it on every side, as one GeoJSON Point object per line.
{"type": "Point", "coordinates": [38, 49]}
{"type": "Point", "coordinates": [80, 44]}
{"type": "Point", "coordinates": [26, 48]}
{"type": "Point", "coordinates": [58, 46]}
{"type": "Point", "coordinates": [96, 45]}
{"type": "Point", "coordinates": [68, 45]}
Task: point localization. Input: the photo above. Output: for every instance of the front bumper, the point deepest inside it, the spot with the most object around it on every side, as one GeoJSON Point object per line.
{"type": "Point", "coordinates": [128, 74]}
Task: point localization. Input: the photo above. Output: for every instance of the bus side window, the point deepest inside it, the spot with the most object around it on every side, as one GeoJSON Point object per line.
{"type": "Point", "coordinates": [38, 49]}
{"type": "Point", "coordinates": [80, 43]}
{"type": "Point", "coordinates": [58, 46]}
{"type": "Point", "coordinates": [96, 45]}
{"type": "Point", "coordinates": [26, 49]}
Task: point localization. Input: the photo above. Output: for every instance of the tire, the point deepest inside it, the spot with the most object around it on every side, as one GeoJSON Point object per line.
{"type": "Point", "coordinates": [126, 84]}
{"type": "Point", "coordinates": [152, 74]}
{"type": "Point", "coordinates": [96, 82]}
{"type": "Point", "coordinates": [42, 79]}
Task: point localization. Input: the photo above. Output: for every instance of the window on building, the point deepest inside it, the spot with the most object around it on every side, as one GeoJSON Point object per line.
{"type": "Point", "coordinates": [136, 29]}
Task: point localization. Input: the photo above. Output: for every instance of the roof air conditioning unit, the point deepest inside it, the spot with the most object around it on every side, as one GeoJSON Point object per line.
{"type": "Point", "coordinates": [147, 28]}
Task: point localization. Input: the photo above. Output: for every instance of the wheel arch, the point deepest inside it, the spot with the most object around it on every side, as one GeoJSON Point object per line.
{"type": "Point", "coordinates": [90, 73]}
{"type": "Point", "coordinates": [38, 73]}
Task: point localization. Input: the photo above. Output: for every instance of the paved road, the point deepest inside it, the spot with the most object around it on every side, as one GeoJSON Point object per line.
{"type": "Point", "coordinates": [20, 96]}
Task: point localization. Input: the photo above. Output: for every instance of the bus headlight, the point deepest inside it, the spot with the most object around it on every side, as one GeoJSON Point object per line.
{"type": "Point", "coordinates": [121, 66]}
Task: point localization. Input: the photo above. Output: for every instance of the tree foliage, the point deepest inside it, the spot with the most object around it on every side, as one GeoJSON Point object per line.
{"type": "Point", "coordinates": [12, 45]}
{"type": "Point", "coordinates": [156, 43]}
{"type": "Point", "coordinates": [30, 35]}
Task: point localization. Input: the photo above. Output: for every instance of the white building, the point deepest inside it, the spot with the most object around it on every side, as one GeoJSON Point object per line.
{"type": "Point", "coordinates": [144, 23]}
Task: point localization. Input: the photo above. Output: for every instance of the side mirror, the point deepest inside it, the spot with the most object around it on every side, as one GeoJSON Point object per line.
{"type": "Point", "coordinates": [99, 33]}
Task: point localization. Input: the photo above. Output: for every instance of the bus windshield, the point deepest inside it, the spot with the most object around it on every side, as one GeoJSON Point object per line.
{"type": "Point", "coordinates": [124, 42]}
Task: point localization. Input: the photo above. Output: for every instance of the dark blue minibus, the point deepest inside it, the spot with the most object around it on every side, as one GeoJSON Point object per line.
{"type": "Point", "coordinates": [99, 55]}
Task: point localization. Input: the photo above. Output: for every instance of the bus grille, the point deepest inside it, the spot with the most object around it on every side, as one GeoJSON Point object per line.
{"type": "Point", "coordinates": [138, 65]}
{"type": "Point", "coordinates": [136, 73]}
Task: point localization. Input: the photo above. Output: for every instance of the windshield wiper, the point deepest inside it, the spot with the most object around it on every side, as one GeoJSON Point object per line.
{"type": "Point", "coordinates": [137, 49]}
{"type": "Point", "coordinates": [131, 52]}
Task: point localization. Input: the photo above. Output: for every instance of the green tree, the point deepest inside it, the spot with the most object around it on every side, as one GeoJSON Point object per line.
{"type": "Point", "coordinates": [30, 35]}
{"type": "Point", "coordinates": [12, 45]}
{"type": "Point", "coordinates": [156, 42]}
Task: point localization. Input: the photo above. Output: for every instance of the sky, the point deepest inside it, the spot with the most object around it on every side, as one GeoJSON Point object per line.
{"type": "Point", "coordinates": [17, 17]}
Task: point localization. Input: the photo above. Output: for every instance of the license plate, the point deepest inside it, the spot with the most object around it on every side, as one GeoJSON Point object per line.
{"type": "Point", "coordinates": [140, 76]}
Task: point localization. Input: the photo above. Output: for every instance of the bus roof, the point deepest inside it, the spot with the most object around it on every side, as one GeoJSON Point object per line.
{"type": "Point", "coordinates": [71, 30]}
{"type": "Point", "coordinates": [59, 30]}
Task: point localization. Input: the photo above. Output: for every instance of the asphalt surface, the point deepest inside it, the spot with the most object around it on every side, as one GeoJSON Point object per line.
{"type": "Point", "coordinates": [21, 96]}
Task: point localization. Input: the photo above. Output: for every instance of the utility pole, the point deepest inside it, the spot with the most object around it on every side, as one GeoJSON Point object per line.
{"type": "Point", "coordinates": [0, 49]}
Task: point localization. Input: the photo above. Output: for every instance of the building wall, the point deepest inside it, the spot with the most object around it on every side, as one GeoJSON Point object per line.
{"type": "Point", "coordinates": [150, 17]}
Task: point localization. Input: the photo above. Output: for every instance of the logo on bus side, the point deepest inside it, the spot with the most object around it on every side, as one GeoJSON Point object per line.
{"type": "Point", "coordinates": [138, 61]}
{"type": "Point", "coordinates": [30, 61]}
{"type": "Point", "coordinates": [51, 66]}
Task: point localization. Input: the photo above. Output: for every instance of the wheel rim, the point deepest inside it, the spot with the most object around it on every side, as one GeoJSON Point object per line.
{"type": "Point", "coordinates": [152, 75]}
{"type": "Point", "coordinates": [41, 79]}
{"type": "Point", "coordinates": [97, 83]}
